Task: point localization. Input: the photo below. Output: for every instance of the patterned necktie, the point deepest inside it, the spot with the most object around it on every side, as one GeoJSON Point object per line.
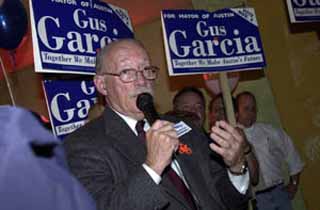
{"type": "Point", "coordinates": [140, 130]}
{"type": "Point", "coordinates": [173, 176]}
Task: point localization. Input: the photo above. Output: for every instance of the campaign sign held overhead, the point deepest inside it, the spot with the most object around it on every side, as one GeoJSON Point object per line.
{"type": "Point", "coordinates": [201, 42]}
{"type": "Point", "coordinates": [67, 34]}
{"type": "Point", "coordinates": [68, 103]}
{"type": "Point", "coordinates": [304, 10]}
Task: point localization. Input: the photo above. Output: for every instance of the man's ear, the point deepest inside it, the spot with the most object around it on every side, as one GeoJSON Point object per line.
{"type": "Point", "coordinates": [100, 84]}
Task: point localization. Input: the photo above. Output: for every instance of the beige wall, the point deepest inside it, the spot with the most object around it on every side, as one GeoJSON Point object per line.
{"type": "Point", "coordinates": [293, 59]}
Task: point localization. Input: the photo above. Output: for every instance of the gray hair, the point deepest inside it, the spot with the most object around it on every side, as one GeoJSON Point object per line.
{"type": "Point", "coordinates": [108, 49]}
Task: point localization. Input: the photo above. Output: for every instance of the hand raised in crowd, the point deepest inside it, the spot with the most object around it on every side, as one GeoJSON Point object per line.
{"type": "Point", "coordinates": [161, 141]}
{"type": "Point", "coordinates": [291, 189]}
{"type": "Point", "coordinates": [230, 143]}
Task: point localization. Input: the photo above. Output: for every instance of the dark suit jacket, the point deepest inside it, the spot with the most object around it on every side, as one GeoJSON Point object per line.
{"type": "Point", "coordinates": [107, 158]}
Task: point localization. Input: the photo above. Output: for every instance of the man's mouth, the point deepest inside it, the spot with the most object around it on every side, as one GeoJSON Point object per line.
{"type": "Point", "coordinates": [135, 95]}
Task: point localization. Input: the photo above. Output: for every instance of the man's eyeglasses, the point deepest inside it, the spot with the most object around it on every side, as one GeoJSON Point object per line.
{"type": "Point", "coordinates": [130, 75]}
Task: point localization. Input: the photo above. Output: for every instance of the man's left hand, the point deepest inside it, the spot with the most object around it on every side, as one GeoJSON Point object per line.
{"type": "Point", "coordinates": [230, 143]}
{"type": "Point", "coordinates": [292, 190]}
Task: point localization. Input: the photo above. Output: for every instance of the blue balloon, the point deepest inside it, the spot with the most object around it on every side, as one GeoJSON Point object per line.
{"type": "Point", "coordinates": [13, 24]}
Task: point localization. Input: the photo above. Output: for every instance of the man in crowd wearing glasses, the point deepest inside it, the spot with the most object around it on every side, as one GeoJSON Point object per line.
{"type": "Point", "coordinates": [124, 167]}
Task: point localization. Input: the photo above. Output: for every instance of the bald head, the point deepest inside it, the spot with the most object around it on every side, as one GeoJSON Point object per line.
{"type": "Point", "coordinates": [109, 51]}
{"type": "Point", "coordinates": [122, 57]}
{"type": "Point", "coordinates": [246, 111]}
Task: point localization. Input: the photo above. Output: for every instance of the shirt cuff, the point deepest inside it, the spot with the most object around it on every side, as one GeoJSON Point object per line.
{"type": "Point", "coordinates": [240, 182]}
{"type": "Point", "coordinates": [155, 177]}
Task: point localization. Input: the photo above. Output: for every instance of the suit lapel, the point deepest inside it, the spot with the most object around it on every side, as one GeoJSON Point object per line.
{"type": "Point", "coordinates": [131, 147]}
{"type": "Point", "coordinates": [123, 138]}
{"type": "Point", "coordinates": [171, 190]}
{"type": "Point", "coordinates": [193, 176]}
{"type": "Point", "coordinates": [189, 165]}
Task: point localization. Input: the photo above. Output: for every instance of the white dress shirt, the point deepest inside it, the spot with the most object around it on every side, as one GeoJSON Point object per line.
{"type": "Point", "coordinates": [273, 148]}
{"type": "Point", "coordinates": [241, 183]}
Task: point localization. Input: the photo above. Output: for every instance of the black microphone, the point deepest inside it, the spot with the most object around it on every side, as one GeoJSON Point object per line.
{"type": "Point", "coordinates": [145, 104]}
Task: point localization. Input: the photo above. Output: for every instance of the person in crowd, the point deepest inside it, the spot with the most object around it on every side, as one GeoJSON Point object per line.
{"type": "Point", "coordinates": [33, 168]}
{"type": "Point", "coordinates": [97, 108]}
{"type": "Point", "coordinates": [191, 99]}
{"type": "Point", "coordinates": [273, 147]}
{"type": "Point", "coordinates": [127, 163]}
{"type": "Point", "coordinates": [190, 117]}
{"type": "Point", "coordinates": [217, 113]}
{"type": "Point", "coordinates": [95, 111]}
{"type": "Point", "coordinates": [216, 110]}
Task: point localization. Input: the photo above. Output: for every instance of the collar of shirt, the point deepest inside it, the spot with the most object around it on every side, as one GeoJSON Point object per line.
{"type": "Point", "coordinates": [251, 128]}
{"type": "Point", "coordinates": [131, 122]}
{"type": "Point", "coordinates": [246, 128]}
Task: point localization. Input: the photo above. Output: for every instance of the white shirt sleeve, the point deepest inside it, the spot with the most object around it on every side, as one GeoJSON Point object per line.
{"type": "Point", "coordinates": [240, 182]}
{"type": "Point", "coordinates": [295, 164]}
{"type": "Point", "coordinates": [155, 177]}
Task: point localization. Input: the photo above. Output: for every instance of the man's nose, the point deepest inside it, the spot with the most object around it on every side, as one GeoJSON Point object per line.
{"type": "Point", "coordinates": [140, 78]}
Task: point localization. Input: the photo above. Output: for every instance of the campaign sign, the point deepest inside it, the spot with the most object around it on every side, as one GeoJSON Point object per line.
{"type": "Point", "coordinates": [304, 10]}
{"type": "Point", "coordinates": [201, 42]}
{"type": "Point", "coordinates": [67, 34]}
{"type": "Point", "coordinates": [68, 103]}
